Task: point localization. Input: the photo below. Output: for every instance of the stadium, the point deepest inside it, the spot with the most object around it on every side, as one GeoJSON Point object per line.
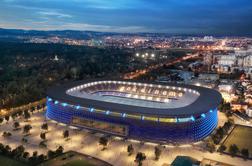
{"type": "Point", "coordinates": [156, 112]}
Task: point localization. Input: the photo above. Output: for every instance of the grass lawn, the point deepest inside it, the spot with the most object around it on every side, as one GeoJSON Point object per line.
{"type": "Point", "coordinates": [6, 161]}
{"type": "Point", "coordinates": [241, 136]}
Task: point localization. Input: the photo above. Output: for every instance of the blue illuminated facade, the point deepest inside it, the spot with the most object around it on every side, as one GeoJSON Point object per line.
{"type": "Point", "coordinates": [193, 129]}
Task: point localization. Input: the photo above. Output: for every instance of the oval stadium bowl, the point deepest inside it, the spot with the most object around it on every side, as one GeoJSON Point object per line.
{"type": "Point", "coordinates": [156, 112]}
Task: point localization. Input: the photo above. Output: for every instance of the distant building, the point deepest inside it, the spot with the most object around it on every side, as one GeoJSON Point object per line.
{"type": "Point", "coordinates": [208, 38]}
{"type": "Point", "coordinates": [240, 60]}
{"type": "Point", "coordinates": [248, 72]}
{"type": "Point", "coordinates": [227, 60]}
{"type": "Point", "coordinates": [208, 60]}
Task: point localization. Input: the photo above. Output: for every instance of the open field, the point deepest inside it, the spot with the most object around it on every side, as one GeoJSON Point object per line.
{"type": "Point", "coordinates": [241, 136]}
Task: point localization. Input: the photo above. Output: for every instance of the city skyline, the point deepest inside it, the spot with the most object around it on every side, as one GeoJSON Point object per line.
{"type": "Point", "coordinates": [227, 17]}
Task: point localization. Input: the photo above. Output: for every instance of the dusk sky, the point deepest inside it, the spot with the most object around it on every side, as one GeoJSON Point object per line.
{"type": "Point", "coordinates": [225, 17]}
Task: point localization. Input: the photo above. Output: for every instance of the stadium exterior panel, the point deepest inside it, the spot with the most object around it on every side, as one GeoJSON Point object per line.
{"type": "Point", "coordinates": [167, 113]}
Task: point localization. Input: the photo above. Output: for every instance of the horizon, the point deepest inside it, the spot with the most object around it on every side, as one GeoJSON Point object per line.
{"type": "Point", "coordinates": [225, 18]}
{"type": "Point", "coordinates": [129, 33]}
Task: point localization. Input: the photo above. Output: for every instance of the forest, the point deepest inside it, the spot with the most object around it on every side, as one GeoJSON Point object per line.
{"type": "Point", "coordinates": [27, 70]}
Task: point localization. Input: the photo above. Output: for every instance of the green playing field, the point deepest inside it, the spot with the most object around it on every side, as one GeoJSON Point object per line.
{"type": "Point", "coordinates": [241, 136]}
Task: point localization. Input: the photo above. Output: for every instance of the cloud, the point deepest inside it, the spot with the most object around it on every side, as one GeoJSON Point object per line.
{"type": "Point", "coordinates": [171, 16]}
{"type": "Point", "coordinates": [104, 28]}
{"type": "Point", "coordinates": [55, 14]}
{"type": "Point", "coordinates": [45, 25]}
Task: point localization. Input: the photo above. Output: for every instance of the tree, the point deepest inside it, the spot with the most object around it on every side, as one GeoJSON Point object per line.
{"type": "Point", "coordinates": [38, 107]}
{"type": "Point", "coordinates": [21, 149]}
{"type": "Point", "coordinates": [227, 107]}
{"type": "Point", "coordinates": [34, 157]}
{"type": "Point", "coordinates": [43, 136]}
{"type": "Point", "coordinates": [231, 121]}
{"type": "Point", "coordinates": [59, 150]}
{"type": "Point", "coordinates": [16, 125]}
{"type": "Point", "coordinates": [74, 71]}
{"type": "Point", "coordinates": [27, 128]}
{"type": "Point", "coordinates": [24, 140]}
{"type": "Point", "coordinates": [227, 125]}
{"type": "Point", "coordinates": [130, 149]}
{"type": "Point", "coordinates": [220, 132]}
{"type": "Point", "coordinates": [43, 106]}
{"type": "Point", "coordinates": [7, 149]}
{"type": "Point", "coordinates": [1, 148]}
{"type": "Point", "coordinates": [26, 155]}
{"type": "Point", "coordinates": [140, 157]}
{"type": "Point", "coordinates": [245, 153]}
{"type": "Point", "coordinates": [18, 152]}
{"type": "Point", "coordinates": [103, 141]}
{"type": "Point", "coordinates": [42, 144]}
{"type": "Point", "coordinates": [210, 146]}
{"type": "Point", "coordinates": [66, 134]}
{"type": "Point", "coordinates": [1, 120]}
{"type": "Point", "coordinates": [50, 154]}
{"type": "Point", "coordinates": [6, 134]}
{"type": "Point", "coordinates": [233, 149]}
{"type": "Point", "coordinates": [228, 113]}
{"type": "Point", "coordinates": [14, 115]}
{"type": "Point", "coordinates": [27, 115]}
{"type": "Point", "coordinates": [35, 154]}
{"type": "Point", "coordinates": [41, 158]}
{"type": "Point", "coordinates": [222, 148]}
{"type": "Point", "coordinates": [157, 153]}
{"type": "Point", "coordinates": [7, 118]}
{"type": "Point", "coordinates": [20, 113]}
{"type": "Point", "coordinates": [44, 126]}
{"type": "Point", "coordinates": [32, 109]}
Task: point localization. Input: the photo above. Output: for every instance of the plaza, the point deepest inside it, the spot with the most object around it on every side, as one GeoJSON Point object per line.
{"type": "Point", "coordinates": [87, 142]}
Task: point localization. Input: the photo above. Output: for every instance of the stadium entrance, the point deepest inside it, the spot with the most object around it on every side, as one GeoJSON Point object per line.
{"type": "Point", "coordinates": [111, 128]}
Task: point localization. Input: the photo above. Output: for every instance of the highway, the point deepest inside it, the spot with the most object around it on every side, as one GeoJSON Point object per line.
{"type": "Point", "coordinates": [141, 72]}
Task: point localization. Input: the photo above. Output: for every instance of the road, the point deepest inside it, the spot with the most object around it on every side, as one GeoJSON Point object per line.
{"type": "Point", "coordinates": [141, 72]}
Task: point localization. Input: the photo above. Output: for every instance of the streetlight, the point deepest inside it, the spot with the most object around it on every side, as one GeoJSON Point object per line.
{"type": "Point", "coordinates": [137, 54]}
{"type": "Point", "coordinates": [198, 84]}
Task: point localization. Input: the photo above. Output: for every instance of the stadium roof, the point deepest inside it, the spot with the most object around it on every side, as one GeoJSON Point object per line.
{"type": "Point", "coordinates": [207, 100]}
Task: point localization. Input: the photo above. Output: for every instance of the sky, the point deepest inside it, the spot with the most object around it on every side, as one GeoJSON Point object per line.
{"type": "Point", "coordinates": [213, 17]}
